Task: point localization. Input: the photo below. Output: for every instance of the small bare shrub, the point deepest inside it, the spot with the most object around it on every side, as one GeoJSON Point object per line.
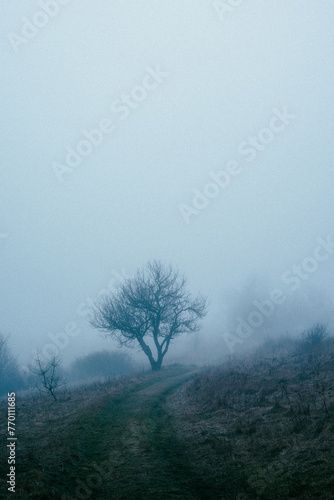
{"type": "Point", "coordinates": [47, 373]}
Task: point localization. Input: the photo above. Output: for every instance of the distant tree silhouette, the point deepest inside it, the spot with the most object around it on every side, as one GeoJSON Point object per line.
{"type": "Point", "coordinates": [10, 377]}
{"type": "Point", "coordinates": [316, 334]}
{"type": "Point", "coordinates": [101, 364]}
{"type": "Point", "coordinates": [154, 304]}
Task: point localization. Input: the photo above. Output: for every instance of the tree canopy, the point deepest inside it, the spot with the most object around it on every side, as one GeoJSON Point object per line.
{"type": "Point", "coordinates": [153, 304]}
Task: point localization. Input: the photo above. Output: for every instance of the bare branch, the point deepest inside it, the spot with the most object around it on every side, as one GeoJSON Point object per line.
{"type": "Point", "coordinates": [154, 303]}
{"type": "Point", "coordinates": [47, 373]}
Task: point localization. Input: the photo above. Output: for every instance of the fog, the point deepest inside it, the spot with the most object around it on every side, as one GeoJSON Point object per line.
{"type": "Point", "coordinates": [197, 133]}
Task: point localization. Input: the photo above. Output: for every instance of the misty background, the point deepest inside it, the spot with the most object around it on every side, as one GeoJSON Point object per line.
{"type": "Point", "coordinates": [63, 242]}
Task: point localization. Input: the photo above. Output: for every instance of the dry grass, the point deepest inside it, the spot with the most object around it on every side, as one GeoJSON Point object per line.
{"type": "Point", "coordinates": [48, 435]}
{"type": "Point", "coordinates": [263, 425]}
{"type": "Point", "coordinates": [258, 427]}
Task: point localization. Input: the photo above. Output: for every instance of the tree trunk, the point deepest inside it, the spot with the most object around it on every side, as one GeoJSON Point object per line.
{"type": "Point", "coordinates": [156, 365]}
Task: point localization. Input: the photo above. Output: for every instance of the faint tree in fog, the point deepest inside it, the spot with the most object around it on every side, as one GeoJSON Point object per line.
{"type": "Point", "coordinates": [10, 377]}
{"type": "Point", "coordinates": [154, 304]}
{"type": "Point", "coordinates": [316, 334]}
{"type": "Point", "coordinates": [101, 364]}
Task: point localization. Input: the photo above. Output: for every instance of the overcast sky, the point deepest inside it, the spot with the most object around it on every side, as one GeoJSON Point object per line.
{"type": "Point", "coordinates": [215, 153]}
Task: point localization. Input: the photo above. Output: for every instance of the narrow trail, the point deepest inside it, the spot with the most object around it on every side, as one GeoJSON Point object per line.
{"type": "Point", "coordinates": [131, 448]}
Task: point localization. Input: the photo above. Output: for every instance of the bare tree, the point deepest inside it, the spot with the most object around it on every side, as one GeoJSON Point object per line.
{"type": "Point", "coordinates": [154, 304]}
{"type": "Point", "coordinates": [47, 372]}
{"type": "Point", "coordinates": [316, 334]}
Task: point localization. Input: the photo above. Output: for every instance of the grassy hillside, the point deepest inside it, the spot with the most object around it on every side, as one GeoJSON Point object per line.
{"type": "Point", "coordinates": [48, 437]}
{"type": "Point", "coordinates": [257, 427]}
{"type": "Point", "coordinates": [106, 440]}
{"type": "Point", "coordinates": [262, 426]}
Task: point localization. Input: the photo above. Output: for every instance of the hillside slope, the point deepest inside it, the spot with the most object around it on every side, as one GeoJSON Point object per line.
{"type": "Point", "coordinates": [256, 428]}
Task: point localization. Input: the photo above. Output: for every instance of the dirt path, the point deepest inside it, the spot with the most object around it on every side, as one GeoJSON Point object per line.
{"type": "Point", "coordinates": [131, 450]}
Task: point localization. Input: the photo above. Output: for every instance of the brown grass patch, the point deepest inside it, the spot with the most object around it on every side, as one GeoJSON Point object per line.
{"type": "Point", "coordinates": [262, 427]}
